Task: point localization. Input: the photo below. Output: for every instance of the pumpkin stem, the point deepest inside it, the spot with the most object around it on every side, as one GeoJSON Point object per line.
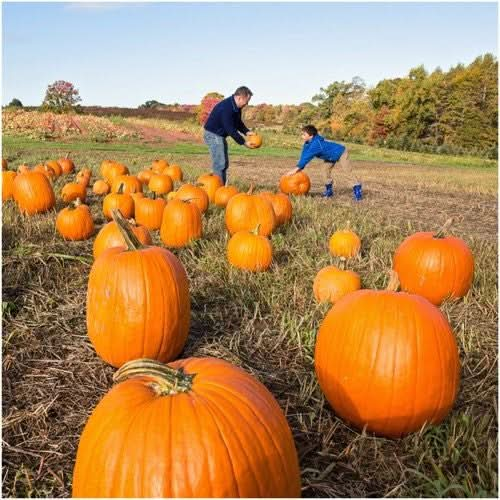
{"type": "Point", "coordinates": [250, 191]}
{"type": "Point", "coordinates": [130, 238]}
{"type": "Point", "coordinates": [256, 230]}
{"type": "Point", "coordinates": [342, 263]}
{"type": "Point", "coordinates": [441, 233]}
{"type": "Point", "coordinates": [393, 285]}
{"type": "Point", "coordinates": [167, 380]}
{"type": "Point", "coordinates": [77, 202]}
{"type": "Point", "coordinates": [67, 154]}
{"type": "Point", "coordinates": [120, 188]}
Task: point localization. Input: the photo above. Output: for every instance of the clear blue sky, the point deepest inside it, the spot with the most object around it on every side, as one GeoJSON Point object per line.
{"type": "Point", "coordinates": [125, 54]}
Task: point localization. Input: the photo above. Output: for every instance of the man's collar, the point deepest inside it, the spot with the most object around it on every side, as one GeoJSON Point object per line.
{"type": "Point", "coordinates": [233, 102]}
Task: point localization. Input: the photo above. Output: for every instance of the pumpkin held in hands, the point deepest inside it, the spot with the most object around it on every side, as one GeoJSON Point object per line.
{"type": "Point", "coordinates": [197, 427]}
{"type": "Point", "coordinates": [138, 302]}
{"type": "Point", "coordinates": [387, 361]}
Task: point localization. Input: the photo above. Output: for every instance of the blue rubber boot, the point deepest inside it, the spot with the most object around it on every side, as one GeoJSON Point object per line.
{"type": "Point", "coordinates": [328, 192]}
{"type": "Point", "coordinates": [357, 192]}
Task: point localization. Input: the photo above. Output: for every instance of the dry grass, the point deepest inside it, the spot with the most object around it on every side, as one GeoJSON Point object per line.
{"type": "Point", "coordinates": [266, 323]}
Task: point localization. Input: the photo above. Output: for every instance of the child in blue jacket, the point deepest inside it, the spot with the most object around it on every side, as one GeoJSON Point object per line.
{"type": "Point", "coordinates": [315, 146]}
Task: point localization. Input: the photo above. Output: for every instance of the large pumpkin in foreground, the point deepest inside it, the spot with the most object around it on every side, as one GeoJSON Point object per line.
{"type": "Point", "coordinates": [387, 361]}
{"type": "Point", "coordinates": [138, 302]}
{"type": "Point", "coordinates": [298, 183]}
{"type": "Point", "coordinates": [198, 427]}
{"type": "Point", "coordinates": [434, 266]}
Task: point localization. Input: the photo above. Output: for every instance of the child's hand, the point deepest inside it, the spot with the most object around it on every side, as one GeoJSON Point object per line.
{"type": "Point", "coordinates": [292, 172]}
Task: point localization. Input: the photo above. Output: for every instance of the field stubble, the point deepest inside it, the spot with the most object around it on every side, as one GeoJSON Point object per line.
{"type": "Point", "coordinates": [266, 323]}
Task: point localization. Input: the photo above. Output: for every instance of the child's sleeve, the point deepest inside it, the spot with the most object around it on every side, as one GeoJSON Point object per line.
{"type": "Point", "coordinates": [309, 151]}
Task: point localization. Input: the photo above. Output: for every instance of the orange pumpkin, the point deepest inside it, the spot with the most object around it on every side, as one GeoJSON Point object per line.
{"type": "Point", "coordinates": [436, 266]}
{"type": "Point", "coordinates": [193, 194]}
{"type": "Point", "coordinates": [224, 194]}
{"type": "Point", "coordinates": [387, 361]}
{"type": "Point", "coordinates": [158, 166]}
{"type": "Point", "coordinates": [245, 211]}
{"type": "Point", "coordinates": [8, 177]}
{"type": "Point", "coordinates": [254, 141]}
{"type": "Point", "coordinates": [130, 183]}
{"type": "Point", "coordinates": [121, 201]}
{"type": "Point", "coordinates": [75, 222]}
{"type": "Point", "coordinates": [210, 183]}
{"type": "Point", "coordinates": [250, 251]}
{"type": "Point", "coordinates": [45, 170]}
{"type": "Point", "coordinates": [72, 191]}
{"type": "Point", "coordinates": [100, 187]}
{"type": "Point", "coordinates": [160, 184]}
{"type": "Point", "coordinates": [110, 236]}
{"type": "Point", "coordinates": [282, 206]}
{"type": "Point", "coordinates": [298, 183]}
{"type": "Point", "coordinates": [181, 223]}
{"type": "Point", "coordinates": [138, 302]}
{"type": "Point", "coordinates": [83, 176]}
{"type": "Point", "coordinates": [54, 165]}
{"type": "Point", "coordinates": [33, 193]}
{"type": "Point", "coordinates": [149, 212]}
{"type": "Point", "coordinates": [105, 166]}
{"type": "Point", "coordinates": [344, 243]}
{"type": "Point", "coordinates": [114, 170]}
{"type": "Point", "coordinates": [198, 427]}
{"type": "Point", "coordinates": [144, 176]}
{"type": "Point", "coordinates": [174, 172]}
{"type": "Point", "coordinates": [332, 283]}
{"type": "Point", "coordinates": [67, 165]}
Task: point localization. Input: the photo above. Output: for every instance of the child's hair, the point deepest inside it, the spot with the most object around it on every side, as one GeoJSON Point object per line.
{"type": "Point", "coordinates": [310, 129]}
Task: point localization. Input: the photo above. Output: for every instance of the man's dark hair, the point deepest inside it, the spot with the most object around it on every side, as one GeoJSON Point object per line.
{"type": "Point", "coordinates": [243, 91]}
{"type": "Point", "coordinates": [310, 129]}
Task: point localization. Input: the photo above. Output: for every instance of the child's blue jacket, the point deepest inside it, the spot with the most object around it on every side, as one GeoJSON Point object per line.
{"type": "Point", "coordinates": [318, 147]}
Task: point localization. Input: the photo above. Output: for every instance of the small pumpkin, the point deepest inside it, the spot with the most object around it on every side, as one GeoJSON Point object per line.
{"type": "Point", "coordinates": [144, 176]}
{"type": "Point", "coordinates": [181, 223]}
{"type": "Point", "coordinates": [75, 222]}
{"type": "Point", "coordinates": [210, 183]}
{"type": "Point", "coordinates": [138, 302]}
{"type": "Point", "coordinates": [110, 236]}
{"type": "Point", "coordinates": [45, 170]}
{"type": "Point", "coordinates": [120, 201]}
{"type": "Point", "coordinates": [245, 211]}
{"type": "Point", "coordinates": [332, 283]}
{"type": "Point", "coordinates": [67, 165]}
{"type": "Point", "coordinates": [344, 243]}
{"type": "Point", "coordinates": [282, 206]}
{"type": "Point", "coordinates": [33, 193]}
{"type": "Point", "coordinates": [73, 190]}
{"type": "Point", "coordinates": [436, 266]}
{"type": "Point", "coordinates": [130, 184]}
{"type": "Point", "coordinates": [54, 165]}
{"type": "Point", "coordinates": [8, 177]}
{"type": "Point", "coordinates": [105, 164]}
{"type": "Point", "coordinates": [232, 434]}
{"type": "Point", "coordinates": [114, 170]}
{"type": "Point", "coordinates": [298, 183]}
{"type": "Point", "coordinates": [101, 187]}
{"type": "Point", "coordinates": [224, 194]}
{"type": "Point", "coordinates": [84, 176]}
{"type": "Point", "coordinates": [254, 141]}
{"type": "Point", "coordinates": [160, 184]}
{"type": "Point", "coordinates": [158, 166]}
{"type": "Point", "coordinates": [174, 172]}
{"type": "Point", "coordinates": [387, 361]}
{"type": "Point", "coordinates": [193, 194]}
{"type": "Point", "coordinates": [249, 251]}
{"type": "Point", "coordinates": [149, 212]}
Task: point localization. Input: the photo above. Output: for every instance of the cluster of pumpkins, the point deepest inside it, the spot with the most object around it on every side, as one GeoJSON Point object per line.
{"type": "Point", "coordinates": [387, 361]}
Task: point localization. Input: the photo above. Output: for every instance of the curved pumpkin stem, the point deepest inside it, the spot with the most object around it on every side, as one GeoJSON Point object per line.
{"type": "Point", "coordinates": [250, 191]}
{"type": "Point", "coordinates": [256, 230]}
{"type": "Point", "coordinates": [441, 233]}
{"type": "Point", "coordinates": [393, 285]}
{"type": "Point", "coordinates": [120, 188]}
{"type": "Point", "coordinates": [342, 264]}
{"type": "Point", "coordinates": [167, 380]}
{"type": "Point", "coordinates": [130, 238]}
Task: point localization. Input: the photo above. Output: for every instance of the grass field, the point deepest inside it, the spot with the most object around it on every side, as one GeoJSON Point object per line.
{"type": "Point", "coordinates": [265, 323]}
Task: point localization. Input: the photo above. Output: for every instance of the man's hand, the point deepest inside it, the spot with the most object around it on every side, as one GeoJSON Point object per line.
{"type": "Point", "coordinates": [291, 172]}
{"type": "Point", "coordinates": [250, 133]}
{"type": "Point", "coordinates": [248, 145]}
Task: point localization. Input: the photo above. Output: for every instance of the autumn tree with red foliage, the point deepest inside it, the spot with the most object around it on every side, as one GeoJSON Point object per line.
{"type": "Point", "coordinates": [207, 104]}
